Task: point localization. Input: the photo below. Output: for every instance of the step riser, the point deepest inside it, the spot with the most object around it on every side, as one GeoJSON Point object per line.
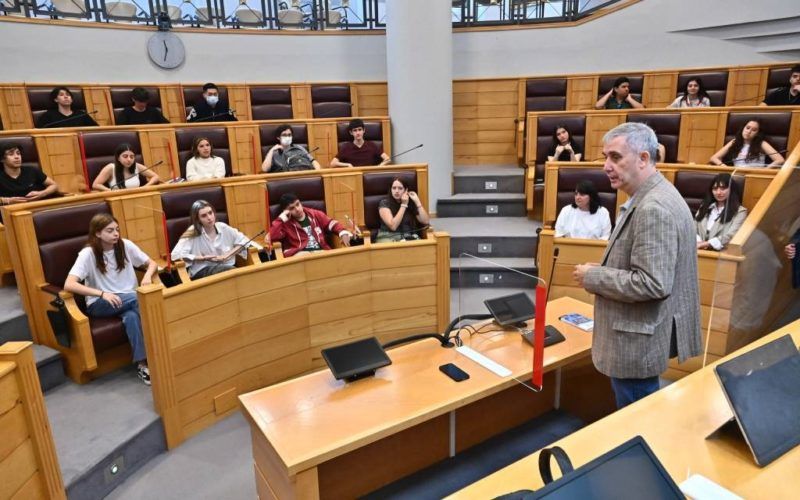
{"type": "Point", "coordinates": [501, 246]}
{"type": "Point", "coordinates": [51, 374]}
{"type": "Point", "coordinates": [491, 278]}
{"type": "Point", "coordinates": [445, 208]}
{"type": "Point", "coordinates": [478, 184]}
{"type": "Point", "coordinates": [15, 329]}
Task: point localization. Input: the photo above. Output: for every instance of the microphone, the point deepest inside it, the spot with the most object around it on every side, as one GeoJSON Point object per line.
{"type": "Point", "coordinates": [356, 230]}
{"type": "Point", "coordinates": [71, 117]}
{"type": "Point", "coordinates": [406, 151]}
{"type": "Point", "coordinates": [230, 111]}
{"type": "Point", "coordinates": [316, 148]}
{"type": "Point", "coordinates": [552, 270]}
{"type": "Point", "coordinates": [122, 182]}
{"type": "Point", "coordinates": [247, 243]}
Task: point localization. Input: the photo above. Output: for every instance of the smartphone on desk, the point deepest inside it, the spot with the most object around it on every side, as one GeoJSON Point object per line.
{"type": "Point", "coordinates": [454, 372]}
{"type": "Point", "coordinates": [579, 320]}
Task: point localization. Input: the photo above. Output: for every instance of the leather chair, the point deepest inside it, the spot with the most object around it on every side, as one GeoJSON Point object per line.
{"type": "Point", "coordinates": [61, 233]}
{"type": "Point", "coordinates": [218, 136]}
{"type": "Point", "coordinates": [192, 94]}
{"type": "Point", "coordinates": [546, 94]}
{"type": "Point", "coordinates": [178, 203]}
{"type": "Point", "coordinates": [310, 190]}
{"type": "Point", "coordinates": [271, 103]}
{"type": "Point", "coordinates": [568, 179]}
{"type": "Point", "coordinates": [546, 125]}
{"type": "Point", "coordinates": [637, 83]}
{"type": "Point", "coordinates": [39, 100]}
{"type": "Point", "coordinates": [775, 126]}
{"type": "Point", "coordinates": [99, 147]}
{"type": "Point", "coordinates": [667, 127]}
{"type": "Point", "coordinates": [30, 155]}
{"type": "Point", "coordinates": [376, 187]}
{"type": "Point", "coordinates": [373, 131]}
{"type": "Point", "coordinates": [268, 139]}
{"type": "Point", "coordinates": [121, 98]}
{"type": "Point", "coordinates": [331, 101]}
{"type": "Point", "coordinates": [693, 186]}
{"type": "Point", "coordinates": [778, 77]}
{"type": "Point", "coordinates": [715, 83]}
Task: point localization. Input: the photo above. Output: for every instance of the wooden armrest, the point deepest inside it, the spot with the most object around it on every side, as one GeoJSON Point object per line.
{"type": "Point", "coordinates": [80, 331]}
{"type": "Point", "coordinates": [250, 259]}
{"type": "Point", "coordinates": [278, 249]}
{"type": "Point", "coordinates": [180, 267]}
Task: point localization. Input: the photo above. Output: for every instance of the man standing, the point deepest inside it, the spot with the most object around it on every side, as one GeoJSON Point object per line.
{"type": "Point", "coordinates": [647, 306]}
{"type": "Point", "coordinates": [786, 96]}
{"type": "Point", "coordinates": [211, 107]}
{"type": "Point", "coordinates": [301, 229]}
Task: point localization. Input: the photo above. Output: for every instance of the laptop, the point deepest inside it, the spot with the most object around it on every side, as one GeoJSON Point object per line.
{"type": "Point", "coordinates": [762, 387]}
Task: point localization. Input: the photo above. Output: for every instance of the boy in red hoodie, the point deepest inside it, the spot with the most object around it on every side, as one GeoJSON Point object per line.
{"type": "Point", "coordinates": [301, 229]}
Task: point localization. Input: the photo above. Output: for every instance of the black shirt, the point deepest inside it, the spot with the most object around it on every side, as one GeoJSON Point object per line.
{"type": "Point", "coordinates": [202, 112]}
{"type": "Point", "coordinates": [54, 118]}
{"type": "Point", "coordinates": [782, 97]}
{"type": "Point", "coordinates": [151, 114]}
{"type": "Point", "coordinates": [564, 156]}
{"type": "Point", "coordinates": [29, 179]}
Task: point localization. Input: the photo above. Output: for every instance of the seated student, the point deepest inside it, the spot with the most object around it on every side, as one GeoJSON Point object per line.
{"type": "Point", "coordinates": [203, 164]}
{"type": "Point", "coordinates": [140, 113]}
{"type": "Point", "coordinates": [124, 172]}
{"type": "Point", "coordinates": [619, 97]}
{"type": "Point", "coordinates": [20, 184]}
{"type": "Point", "coordinates": [288, 157]}
{"type": "Point", "coordinates": [301, 229]}
{"type": "Point", "coordinates": [62, 114]}
{"type": "Point", "coordinates": [661, 153]}
{"type": "Point", "coordinates": [720, 215]}
{"type": "Point", "coordinates": [211, 107]}
{"type": "Point", "coordinates": [585, 217]}
{"type": "Point", "coordinates": [398, 219]}
{"type": "Point", "coordinates": [563, 147]}
{"type": "Point", "coordinates": [209, 247]}
{"type": "Point", "coordinates": [359, 153]}
{"type": "Point", "coordinates": [106, 267]}
{"type": "Point", "coordinates": [693, 96]}
{"type": "Point", "coordinates": [786, 96]}
{"type": "Point", "coordinates": [748, 149]}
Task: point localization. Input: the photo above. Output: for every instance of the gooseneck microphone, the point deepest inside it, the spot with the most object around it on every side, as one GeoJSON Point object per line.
{"type": "Point", "coordinates": [406, 151]}
{"type": "Point", "coordinates": [70, 118]}
{"type": "Point", "coordinates": [122, 182]}
{"type": "Point", "coordinates": [230, 111]}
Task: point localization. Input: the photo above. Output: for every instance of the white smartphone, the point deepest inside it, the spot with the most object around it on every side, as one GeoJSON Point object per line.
{"type": "Point", "coordinates": [700, 487]}
{"type": "Point", "coordinates": [579, 320]}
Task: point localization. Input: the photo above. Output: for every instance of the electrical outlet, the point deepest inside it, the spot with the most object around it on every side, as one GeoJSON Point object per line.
{"type": "Point", "coordinates": [492, 209]}
{"type": "Point", "coordinates": [484, 248]}
{"type": "Point", "coordinates": [486, 279]}
{"type": "Point", "coordinates": [490, 185]}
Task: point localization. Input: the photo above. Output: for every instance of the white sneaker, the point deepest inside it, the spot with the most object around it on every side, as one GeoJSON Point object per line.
{"type": "Point", "coordinates": [144, 373]}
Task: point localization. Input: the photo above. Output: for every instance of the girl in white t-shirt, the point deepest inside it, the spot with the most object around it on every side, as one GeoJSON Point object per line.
{"type": "Point", "coordinates": [585, 217]}
{"type": "Point", "coordinates": [748, 148]}
{"type": "Point", "coordinates": [106, 267]}
{"type": "Point", "coordinates": [124, 172]}
{"type": "Point", "coordinates": [203, 164]}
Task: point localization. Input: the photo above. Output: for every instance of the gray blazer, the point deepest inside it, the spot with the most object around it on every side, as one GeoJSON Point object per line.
{"type": "Point", "coordinates": [647, 286]}
{"type": "Point", "coordinates": [723, 232]}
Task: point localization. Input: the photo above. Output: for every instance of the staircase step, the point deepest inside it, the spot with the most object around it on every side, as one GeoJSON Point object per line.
{"type": "Point", "coordinates": [498, 272]}
{"type": "Point", "coordinates": [490, 239]}
{"type": "Point", "coordinates": [482, 205]}
{"type": "Point", "coordinates": [50, 366]}
{"type": "Point", "coordinates": [500, 179]}
{"type": "Point", "coordinates": [13, 321]}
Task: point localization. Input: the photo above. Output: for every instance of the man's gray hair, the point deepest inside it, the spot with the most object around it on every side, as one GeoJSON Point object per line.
{"type": "Point", "coordinates": [638, 136]}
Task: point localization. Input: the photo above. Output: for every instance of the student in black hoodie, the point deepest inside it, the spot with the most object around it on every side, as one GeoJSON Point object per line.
{"type": "Point", "coordinates": [62, 114]}
{"type": "Point", "coordinates": [140, 113]}
{"type": "Point", "coordinates": [211, 107]}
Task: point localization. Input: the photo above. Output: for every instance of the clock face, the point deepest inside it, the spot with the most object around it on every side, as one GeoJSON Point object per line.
{"type": "Point", "coordinates": [166, 50]}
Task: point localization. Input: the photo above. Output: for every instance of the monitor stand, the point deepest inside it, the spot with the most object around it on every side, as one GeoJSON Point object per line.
{"type": "Point", "coordinates": [358, 376]}
{"type": "Point", "coordinates": [551, 335]}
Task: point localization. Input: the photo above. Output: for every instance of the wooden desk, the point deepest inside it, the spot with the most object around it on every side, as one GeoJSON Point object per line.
{"type": "Point", "coordinates": [674, 422]}
{"type": "Point", "coordinates": [315, 437]}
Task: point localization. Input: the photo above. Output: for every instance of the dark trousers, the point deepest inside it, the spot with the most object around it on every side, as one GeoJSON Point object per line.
{"type": "Point", "coordinates": [630, 390]}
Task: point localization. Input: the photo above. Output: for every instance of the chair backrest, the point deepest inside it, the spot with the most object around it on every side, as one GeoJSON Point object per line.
{"type": "Point", "coordinates": [99, 149]}
{"type": "Point", "coordinates": [774, 125]}
{"type": "Point", "coordinates": [376, 187]}
{"type": "Point", "coordinates": [268, 139]}
{"type": "Point", "coordinates": [715, 83]}
{"type": "Point", "coordinates": [667, 127]}
{"type": "Point", "coordinates": [568, 179]}
{"type": "Point", "coordinates": [331, 101]}
{"type": "Point", "coordinates": [271, 103]}
{"type": "Point", "coordinates": [121, 99]}
{"type": "Point", "coordinates": [178, 203]}
{"type": "Point", "coordinates": [39, 100]}
{"type": "Point", "coordinates": [546, 94]}
{"type": "Point", "coordinates": [637, 83]}
{"type": "Point", "coordinates": [310, 190]}
{"type": "Point", "coordinates": [60, 234]}
{"type": "Point", "coordinates": [30, 155]}
{"type": "Point", "coordinates": [219, 145]}
{"type": "Point", "coordinates": [693, 186]}
{"type": "Point", "coordinates": [194, 93]}
{"type": "Point", "coordinates": [373, 131]}
{"type": "Point", "coordinates": [546, 125]}
{"type": "Point", "coordinates": [778, 77]}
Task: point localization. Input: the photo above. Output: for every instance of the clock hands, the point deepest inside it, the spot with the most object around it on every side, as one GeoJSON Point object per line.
{"type": "Point", "coordinates": [166, 49]}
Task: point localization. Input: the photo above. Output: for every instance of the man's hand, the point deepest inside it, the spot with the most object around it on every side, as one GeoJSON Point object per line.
{"type": "Point", "coordinates": [345, 236]}
{"type": "Point", "coordinates": [18, 199]}
{"type": "Point", "coordinates": [386, 161]}
{"type": "Point", "coordinates": [790, 250]}
{"type": "Point", "coordinates": [703, 245]}
{"type": "Point", "coordinates": [34, 195]}
{"type": "Point", "coordinates": [284, 216]}
{"type": "Point", "coordinates": [580, 271]}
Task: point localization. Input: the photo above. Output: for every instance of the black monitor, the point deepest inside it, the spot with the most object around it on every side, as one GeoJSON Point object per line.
{"type": "Point", "coordinates": [356, 360]}
{"type": "Point", "coordinates": [631, 470]}
{"type": "Point", "coordinates": [511, 309]}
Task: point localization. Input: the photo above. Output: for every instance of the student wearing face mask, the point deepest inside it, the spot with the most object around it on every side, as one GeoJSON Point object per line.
{"type": "Point", "coordinates": [287, 157]}
{"type": "Point", "coordinates": [211, 107]}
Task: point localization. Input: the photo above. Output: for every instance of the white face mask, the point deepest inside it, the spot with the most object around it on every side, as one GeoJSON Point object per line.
{"type": "Point", "coordinates": [212, 100]}
{"type": "Point", "coordinates": [286, 141]}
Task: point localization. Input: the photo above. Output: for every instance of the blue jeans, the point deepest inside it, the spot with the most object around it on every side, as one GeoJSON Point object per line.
{"type": "Point", "coordinates": [630, 390]}
{"type": "Point", "coordinates": [129, 313]}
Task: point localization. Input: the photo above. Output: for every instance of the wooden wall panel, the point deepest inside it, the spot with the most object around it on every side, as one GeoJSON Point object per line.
{"type": "Point", "coordinates": [301, 101]}
{"type": "Point", "coordinates": [581, 92]}
{"type": "Point", "coordinates": [172, 106]}
{"type": "Point", "coordinates": [99, 99]}
{"type": "Point", "coordinates": [247, 209]}
{"type": "Point", "coordinates": [245, 145]}
{"type": "Point", "coordinates": [373, 99]}
{"type": "Point", "coordinates": [484, 121]}
{"type": "Point", "coordinates": [239, 98]}
{"type": "Point", "coordinates": [323, 136]}
{"type": "Point", "coordinates": [701, 135]}
{"type": "Point", "coordinates": [15, 110]}
{"type": "Point", "coordinates": [746, 86]}
{"type": "Point", "coordinates": [160, 145]}
{"type": "Point", "coordinates": [60, 158]}
{"type": "Point", "coordinates": [596, 127]}
{"type": "Point", "coordinates": [140, 220]}
{"type": "Point", "coordinates": [346, 192]}
{"type": "Point", "coordinates": [659, 89]}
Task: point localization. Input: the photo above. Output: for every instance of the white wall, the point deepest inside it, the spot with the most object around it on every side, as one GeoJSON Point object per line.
{"type": "Point", "coordinates": [639, 37]}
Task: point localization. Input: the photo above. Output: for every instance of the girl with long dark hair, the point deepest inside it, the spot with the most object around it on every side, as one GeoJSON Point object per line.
{"type": "Point", "coordinates": [400, 212]}
{"type": "Point", "coordinates": [720, 215]}
{"type": "Point", "coordinates": [693, 96]}
{"type": "Point", "coordinates": [564, 148]}
{"type": "Point", "coordinates": [124, 172]}
{"type": "Point", "coordinates": [748, 149]}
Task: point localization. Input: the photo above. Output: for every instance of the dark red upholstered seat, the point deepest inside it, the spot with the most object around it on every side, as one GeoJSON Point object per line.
{"type": "Point", "coordinates": [568, 179]}
{"type": "Point", "coordinates": [693, 186]}
{"type": "Point", "coordinates": [546, 125]}
{"type": "Point", "coordinates": [778, 77]}
{"type": "Point", "coordinates": [373, 131]}
{"type": "Point", "coordinates": [667, 127]}
{"type": "Point", "coordinates": [637, 83]}
{"type": "Point", "coordinates": [271, 103]}
{"type": "Point", "coordinates": [178, 203]}
{"type": "Point", "coordinates": [192, 94]}
{"type": "Point", "coordinates": [331, 101]}
{"type": "Point", "coordinates": [715, 83]}
{"type": "Point", "coordinates": [39, 100]}
{"type": "Point", "coordinates": [546, 94]}
{"type": "Point", "coordinates": [775, 126]}
{"type": "Point", "coordinates": [219, 145]}
{"type": "Point", "coordinates": [99, 149]}
{"type": "Point", "coordinates": [268, 138]}
{"type": "Point", "coordinates": [310, 190]}
{"type": "Point", "coordinates": [30, 155]}
{"type": "Point", "coordinates": [121, 98]}
{"type": "Point", "coordinates": [376, 188]}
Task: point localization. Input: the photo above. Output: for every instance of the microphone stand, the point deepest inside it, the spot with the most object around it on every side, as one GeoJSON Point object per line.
{"type": "Point", "coordinates": [230, 112]}
{"type": "Point", "coordinates": [122, 182]}
{"type": "Point", "coordinates": [406, 151]}
{"type": "Point", "coordinates": [70, 117]}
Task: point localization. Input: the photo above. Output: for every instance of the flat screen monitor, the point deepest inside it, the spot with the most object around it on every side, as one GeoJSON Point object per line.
{"type": "Point", "coordinates": [356, 360]}
{"type": "Point", "coordinates": [630, 470]}
{"type": "Point", "coordinates": [511, 309]}
{"type": "Point", "coordinates": [762, 387]}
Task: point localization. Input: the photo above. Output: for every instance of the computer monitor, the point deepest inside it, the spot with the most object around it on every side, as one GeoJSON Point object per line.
{"type": "Point", "coordinates": [356, 360]}
{"type": "Point", "coordinates": [511, 309]}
